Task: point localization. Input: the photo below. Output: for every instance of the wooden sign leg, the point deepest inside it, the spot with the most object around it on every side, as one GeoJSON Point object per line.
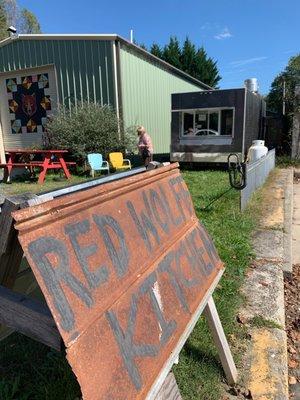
{"type": "Point", "coordinates": [169, 389]}
{"type": "Point", "coordinates": [220, 341]}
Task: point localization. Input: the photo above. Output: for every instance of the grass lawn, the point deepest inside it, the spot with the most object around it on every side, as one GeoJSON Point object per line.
{"type": "Point", "coordinates": [199, 373]}
{"type": "Point", "coordinates": [29, 370]}
{"type": "Point", "coordinates": [52, 181]}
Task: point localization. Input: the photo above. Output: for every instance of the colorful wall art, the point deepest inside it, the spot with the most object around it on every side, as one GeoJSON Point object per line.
{"type": "Point", "coordinates": [28, 102]}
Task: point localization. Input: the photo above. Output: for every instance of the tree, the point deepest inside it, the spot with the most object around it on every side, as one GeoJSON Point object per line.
{"type": "Point", "coordinates": [22, 19]}
{"type": "Point", "coordinates": [89, 128]}
{"type": "Point", "coordinates": [172, 52]}
{"type": "Point", "coordinates": [3, 22]}
{"type": "Point", "coordinates": [156, 50]}
{"type": "Point", "coordinates": [29, 22]}
{"type": "Point", "coordinates": [282, 98]}
{"type": "Point", "coordinates": [206, 68]}
{"type": "Point", "coordinates": [189, 59]}
{"type": "Point", "coordinates": [289, 78]}
{"type": "Point", "coordinates": [12, 12]}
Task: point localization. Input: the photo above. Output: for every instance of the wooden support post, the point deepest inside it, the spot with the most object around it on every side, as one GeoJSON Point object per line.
{"type": "Point", "coordinates": [11, 252]}
{"type": "Point", "coordinates": [169, 389]}
{"type": "Point", "coordinates": [220, 341]}
{"type": "Point", "coordinates": [29, 317]}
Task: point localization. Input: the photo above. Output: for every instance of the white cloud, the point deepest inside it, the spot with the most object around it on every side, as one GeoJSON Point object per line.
{"type": "Point", "coordinates": [205, 26]}
{"type": "Point", "coordinates": [225, 34]}
{"type": "Point", "coordinates": [240, 63]}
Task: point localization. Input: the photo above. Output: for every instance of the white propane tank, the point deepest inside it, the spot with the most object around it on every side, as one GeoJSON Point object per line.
{"type": "Point", "coordinates": [257, 150]}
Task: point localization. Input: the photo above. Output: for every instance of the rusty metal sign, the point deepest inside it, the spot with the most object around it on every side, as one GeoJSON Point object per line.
{"type": "Point", "coordinates": [124, 268]}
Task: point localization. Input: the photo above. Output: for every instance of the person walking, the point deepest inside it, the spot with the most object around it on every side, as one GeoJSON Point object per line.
{"type": "Point", "coordinates": [145, 145]}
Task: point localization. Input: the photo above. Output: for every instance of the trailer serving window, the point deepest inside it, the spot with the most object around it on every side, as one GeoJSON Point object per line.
{"type": "Point", "coordinates": [208, 122]}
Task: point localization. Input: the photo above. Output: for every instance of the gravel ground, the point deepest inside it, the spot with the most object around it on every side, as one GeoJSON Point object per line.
{"type": "Point", "coordinates": [292, 303]}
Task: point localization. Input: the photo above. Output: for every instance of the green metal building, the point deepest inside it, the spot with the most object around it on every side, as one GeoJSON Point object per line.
{"type": "Point", "coordinates": [37, 72]}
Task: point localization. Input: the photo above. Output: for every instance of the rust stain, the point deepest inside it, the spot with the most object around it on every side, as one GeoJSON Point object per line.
{"type": "Point", "coordinates": [123, 268]}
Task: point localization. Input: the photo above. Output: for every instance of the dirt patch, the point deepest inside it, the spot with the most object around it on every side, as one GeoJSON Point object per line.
{"type": "Point", "coordinates": [272, 210]}
{"type": "Point", "coordinates": [292, 315]}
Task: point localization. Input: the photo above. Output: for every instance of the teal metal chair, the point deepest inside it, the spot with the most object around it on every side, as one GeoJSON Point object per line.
{"type": "Point", "coordinates": [97, 163]}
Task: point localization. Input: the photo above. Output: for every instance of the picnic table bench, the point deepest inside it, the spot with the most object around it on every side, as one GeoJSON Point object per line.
{"type": "Point", "coordinates": [51, 159]}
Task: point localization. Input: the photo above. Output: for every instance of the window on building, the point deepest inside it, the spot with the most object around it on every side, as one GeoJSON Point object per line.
{"type": "Point", "coordinates": [188, 123]}
{"type": "Point", "coordinates": [213, 122]}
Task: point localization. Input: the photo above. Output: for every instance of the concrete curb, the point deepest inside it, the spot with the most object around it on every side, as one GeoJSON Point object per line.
{"type": "Point", "coordinates": [263, 288]}
{"type": "Point", "coordinates": [288, 220]}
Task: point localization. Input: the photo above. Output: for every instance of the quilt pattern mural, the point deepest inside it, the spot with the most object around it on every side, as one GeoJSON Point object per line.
{"type": "Point", "coordinates": [28, 102]}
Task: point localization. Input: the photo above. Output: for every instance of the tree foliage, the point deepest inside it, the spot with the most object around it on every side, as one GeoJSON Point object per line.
{"type": "Point", "coordinates": [89, 128]}
{"type": "Point", "coordinates": [22, 19]}
{"type": "Point", "coordinates": [172, 53]}
{"type": "Point", "coordinates": [291, 77]}
{"type": "Point", "coordinates": [3, 22]}
{"type": "Point", "coordinates": [189, 59]}
{"type": "Point", "coordinates": [29, 21]}
{"type": "Point", "coordinates": [156, 50]}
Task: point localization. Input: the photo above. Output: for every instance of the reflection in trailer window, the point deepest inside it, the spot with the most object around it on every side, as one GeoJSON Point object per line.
{"type": "Point", "coordinates": [212, 122]}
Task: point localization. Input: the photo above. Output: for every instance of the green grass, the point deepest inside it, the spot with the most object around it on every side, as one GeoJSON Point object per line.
{"type": "Point", "coordinates": [32, 371]}
{"type": "Point", "coordinates": [29, 370]}
{"type": "Point", "coordinates": [287, 161]}
{"type": "Point", "coordinates": [199, 372]}
{"type": "Point", "coordinates": [52, 182]}
{"type": "Point", "coordinates": [260, 322]}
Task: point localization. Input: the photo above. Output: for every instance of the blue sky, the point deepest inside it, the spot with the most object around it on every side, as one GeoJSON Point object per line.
{"type": "Point", "coordinates": [248, 38]}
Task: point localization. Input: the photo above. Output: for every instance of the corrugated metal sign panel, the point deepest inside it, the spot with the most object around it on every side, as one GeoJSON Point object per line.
{"type": "Point", "coordinates": [123, 268]}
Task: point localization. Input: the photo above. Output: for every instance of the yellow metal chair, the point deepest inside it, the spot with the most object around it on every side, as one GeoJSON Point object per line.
{"type": "Point", "coordinates": [118, 162]}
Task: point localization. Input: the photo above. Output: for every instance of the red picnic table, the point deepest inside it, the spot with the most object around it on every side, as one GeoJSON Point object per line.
{"type": "Point", "coordinates": [51, 159]}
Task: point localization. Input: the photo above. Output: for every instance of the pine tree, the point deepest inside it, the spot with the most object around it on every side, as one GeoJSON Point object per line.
{"type": "Point", "coordinates": [156, 50]}
{"type": "Point", "coordinates": [188, 58]}
{"type": "Point", "coordinates": [207, 70]}
{"type": "Point", "coordinates": [172, 52]}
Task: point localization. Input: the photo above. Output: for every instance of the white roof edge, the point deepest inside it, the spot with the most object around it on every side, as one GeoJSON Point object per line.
{"type": "Point", "coordinates": [59, 36]}
{"type": "Point", "coordinates": [100, 36]}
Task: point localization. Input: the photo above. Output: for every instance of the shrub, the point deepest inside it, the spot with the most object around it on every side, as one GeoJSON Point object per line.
{"type": "Point", "coordinates": [88, 128]}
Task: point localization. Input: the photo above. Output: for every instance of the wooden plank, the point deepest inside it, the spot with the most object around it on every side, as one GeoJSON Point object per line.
{"type": "Point", "coordinates": [29, 317]}
{"type": "Point", "coordinates": [220, 341]}
{"type": "Point", "coordinates": [169, 389]}
{"type": "Point", "coordinates": [11, 252]}
{"type": "Point", "coordinates": [6, 221]}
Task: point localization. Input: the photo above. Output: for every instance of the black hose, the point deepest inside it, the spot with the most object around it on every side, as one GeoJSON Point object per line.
{"type": "Point", "coordinates": [215, 199]}
{"type": "Point", "coordinates": [237, 177]}
{"type": "Point", "coordinates": [237, 172]}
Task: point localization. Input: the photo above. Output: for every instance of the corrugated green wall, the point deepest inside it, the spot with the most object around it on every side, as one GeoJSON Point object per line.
{"type": "Point", "coordinates": [146, 96]}
{"type": "Point", "coordinates": [84, 67]}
